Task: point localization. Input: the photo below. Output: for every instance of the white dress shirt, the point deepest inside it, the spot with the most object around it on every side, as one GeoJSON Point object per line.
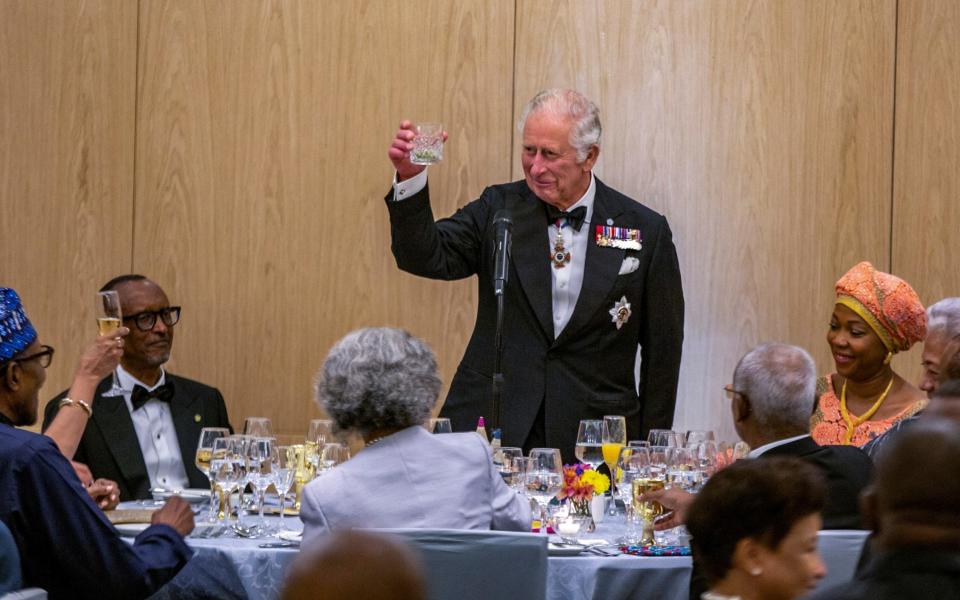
{"type": "Point", "coordinates": [565, 282]}
{"type": "Point", "coordinates": [153, 423]}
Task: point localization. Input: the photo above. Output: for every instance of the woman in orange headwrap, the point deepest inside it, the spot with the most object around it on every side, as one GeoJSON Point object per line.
{"type": "Point", "coordinates": [875, 316]}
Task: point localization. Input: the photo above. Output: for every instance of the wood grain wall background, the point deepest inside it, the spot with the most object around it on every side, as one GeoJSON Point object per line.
{"type": "Point", "coordinates": [236, 153]}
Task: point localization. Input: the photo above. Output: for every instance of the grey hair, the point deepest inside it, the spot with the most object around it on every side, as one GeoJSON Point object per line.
{"type": "Point", "coordinates": [573, 105]}
{"type": "Point", "coordinates": [780, 382]}
{"type": "Point", "coordinates": [943, 317]}
{"type": "Point", "coordinates": [378, 378]}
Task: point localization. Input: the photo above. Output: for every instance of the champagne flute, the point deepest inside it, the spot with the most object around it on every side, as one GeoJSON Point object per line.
{"type": "Point", "coordinates": [589, 448]}
{"type": "Point", "coordinates": [286, 461]}
{"type": "Point", "coordinates": [109, 319]}
{"type": "Point", "coordinates": [614, 439]}
{"type": "Point", "coordinates": [543, 479]}
{"type": "Point", "coordinates": [257, 427]}
{"type": "Point", "coordinates": [203, 457]}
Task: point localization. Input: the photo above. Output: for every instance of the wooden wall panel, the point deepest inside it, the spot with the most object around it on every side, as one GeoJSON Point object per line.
{"type": "Point", "coordinates": [262, 133]}
{"type": "Point", "coordinates": [926, 192]}
{"type": "Point", "coordinates": [66, 162]}
{"type": "Point", "coordinates": [762, 130]}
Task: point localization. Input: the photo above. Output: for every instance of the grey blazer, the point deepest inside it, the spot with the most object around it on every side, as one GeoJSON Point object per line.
{"type": "Point", "coordinates": [416, 479]}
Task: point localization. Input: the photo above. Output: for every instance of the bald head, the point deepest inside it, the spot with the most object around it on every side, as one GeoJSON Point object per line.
{"type": "Point", "coordinates": [345, 565]}
{"type": "Point", "coordinates": [920, 505]}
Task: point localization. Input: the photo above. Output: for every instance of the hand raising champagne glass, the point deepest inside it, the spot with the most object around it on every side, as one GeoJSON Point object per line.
{"type": "Point", "coordinates": [109, 318]}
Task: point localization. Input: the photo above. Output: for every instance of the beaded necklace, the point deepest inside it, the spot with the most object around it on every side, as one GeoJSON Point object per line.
{"type": "Point", "coordinates": [854, 422]}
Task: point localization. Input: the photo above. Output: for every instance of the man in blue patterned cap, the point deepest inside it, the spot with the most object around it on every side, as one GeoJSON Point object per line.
{"type": "Point", "coordinates": [66, 543]}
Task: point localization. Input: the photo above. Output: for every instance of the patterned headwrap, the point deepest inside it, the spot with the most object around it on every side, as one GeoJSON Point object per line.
{"type": "Point", "coordinates": [887, 303]}
{"type": "Point", "coordinates": [16, 332]}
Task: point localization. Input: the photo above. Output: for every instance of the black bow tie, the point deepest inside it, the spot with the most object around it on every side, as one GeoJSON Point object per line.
{"type": "Point", "coordinates": [574, 218]}
{"type": "Point", "coordinates": [140, 394]}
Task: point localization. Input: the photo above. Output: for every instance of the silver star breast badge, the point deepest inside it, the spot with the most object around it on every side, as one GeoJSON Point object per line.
{"type": "Point", "coordinates": [620, 312]}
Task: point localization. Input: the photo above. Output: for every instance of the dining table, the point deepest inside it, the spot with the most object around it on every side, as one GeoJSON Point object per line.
{"type": "Point", "coordinates": [230, 566]}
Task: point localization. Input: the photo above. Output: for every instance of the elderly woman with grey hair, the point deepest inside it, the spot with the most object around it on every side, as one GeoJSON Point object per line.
{"type": "Point", "coordinates": [382, 383]}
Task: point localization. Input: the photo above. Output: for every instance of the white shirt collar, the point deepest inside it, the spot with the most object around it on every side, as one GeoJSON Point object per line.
{"type": "Point", "coordinates": [586, 200]}
{"type": "Point", "coordinates": [128, 381]}
{"type": "Point", "coordinates": [758, 451]}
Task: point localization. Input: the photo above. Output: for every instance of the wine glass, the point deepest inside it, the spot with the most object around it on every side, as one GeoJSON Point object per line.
{"type": "Point", "coordinates": [440, 425]}
{"type": "Point", "coordinates": [257, 427]}
{"type": "Point", "coordinates": [286, 462]}
{"type": "Point", "coordinates": [224, 474]}
{"type": "Point", "coordinates": [683, 469]}
{"type": "Point", "coordinates": [521, 465]}
{"type": "Point", "coordinates": [505, 459]}
{"type": "Point", "coordinates": [333, 454]}
{"type": "Point", "coordinates": [589, 448]}
{"type": "Point", "coordinates": [109, 319]}
{"type": "Point", "coordinates": [697, 436]}
{"type": "Point", "coordinates": [203, 457]}
{"type": "Point", "coordinates": [543, 479]}
{"type": "Point", "coordinates": [664, 437]}
{"type": "Point", "coordinates": [260, 453]}
{"type": "Point", "coordinates": [319, 433]}
{"type": "Point", "coordinates": [634, 463]}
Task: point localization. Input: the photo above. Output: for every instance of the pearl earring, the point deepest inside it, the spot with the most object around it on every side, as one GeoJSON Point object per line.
{"type": "Point", "coordinates": [756, 571]}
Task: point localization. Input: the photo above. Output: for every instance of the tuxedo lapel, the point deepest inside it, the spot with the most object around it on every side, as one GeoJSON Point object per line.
{"type": "Point", "coordinates": [600, 269]}
{"type": "Point", "coordinates": [113, 418]}
{"type": "Point", "coordinates": [529, 255]}
{"type": "Point", "coordinates": [184, 410]}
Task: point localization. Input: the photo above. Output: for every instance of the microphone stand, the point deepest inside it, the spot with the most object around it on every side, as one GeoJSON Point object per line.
{"type": "Point", "coordinates": [497, 360]}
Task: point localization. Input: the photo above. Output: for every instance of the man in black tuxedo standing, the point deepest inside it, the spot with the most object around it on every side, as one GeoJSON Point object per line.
{"type": "Point", "coordinates": [593, 278]}
{"type": "Point", "coordinates": [147, 436]}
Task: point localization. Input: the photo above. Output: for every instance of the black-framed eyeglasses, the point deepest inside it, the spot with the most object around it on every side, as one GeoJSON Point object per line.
{"type": "Point", "coordinates": [730, 392]}
{"type": "Point", "coordinates": [147, 319]}
{"type": "Point", "coordinates": [45, 356]}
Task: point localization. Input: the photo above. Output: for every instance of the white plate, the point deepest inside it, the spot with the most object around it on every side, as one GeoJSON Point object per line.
{"type": "Point", "coordinates": [555, 550]}
{"type": "Point", "coordinates": [291, 536]}
{"type": "Point", "coordinates": [191, 495]}
{"type": "Point", "coordinates": [131, 529]}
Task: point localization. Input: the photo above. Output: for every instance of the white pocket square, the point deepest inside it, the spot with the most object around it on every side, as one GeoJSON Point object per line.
{"type": "Point", "coordinates": [630, 264]}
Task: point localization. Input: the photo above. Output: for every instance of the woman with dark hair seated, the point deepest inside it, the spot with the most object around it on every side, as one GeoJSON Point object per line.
{"type": "Point", "coordinates": [382, 383]}
{"type": "Point", "coordinates": [754, 530]}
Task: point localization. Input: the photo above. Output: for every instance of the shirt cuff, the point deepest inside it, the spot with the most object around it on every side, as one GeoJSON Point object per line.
{"type": "Point", "coordinates": [408, 187]}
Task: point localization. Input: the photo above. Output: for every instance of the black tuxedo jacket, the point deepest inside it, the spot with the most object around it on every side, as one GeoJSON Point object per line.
{"type": "Point", "coordinates": [109, 446]}
{"type": "Point", "coordinates": [847, 470]}
{"type": "Point", "coordinates": [586, 372]}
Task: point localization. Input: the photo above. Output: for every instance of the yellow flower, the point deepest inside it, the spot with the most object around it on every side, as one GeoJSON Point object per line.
{"type": "Point", "coordinates": [599, 481]}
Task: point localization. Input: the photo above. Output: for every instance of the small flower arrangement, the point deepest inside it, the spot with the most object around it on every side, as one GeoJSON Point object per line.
{"type": "Point", "coordinates": [580, 485]}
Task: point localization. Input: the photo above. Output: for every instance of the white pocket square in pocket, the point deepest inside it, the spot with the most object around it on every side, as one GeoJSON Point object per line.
{"type": "Point", "coordinates": [630, 264]}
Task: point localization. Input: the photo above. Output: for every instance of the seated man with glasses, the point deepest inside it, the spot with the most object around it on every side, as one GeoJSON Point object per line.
{"type": "Point", "coordinates": [66, 544]}
{"type": "Point", "coordinates": [147, 437]}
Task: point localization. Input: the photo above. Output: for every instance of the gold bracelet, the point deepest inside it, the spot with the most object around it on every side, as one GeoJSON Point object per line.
{"type": "Point", "coordinates": [78, 403]}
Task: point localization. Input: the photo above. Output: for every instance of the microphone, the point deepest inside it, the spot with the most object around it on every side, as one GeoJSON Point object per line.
{"type": "Point", "coordinates": [503, 227]}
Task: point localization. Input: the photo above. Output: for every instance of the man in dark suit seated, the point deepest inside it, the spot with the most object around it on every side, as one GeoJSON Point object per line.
{"type": "Point", "coordinates": [67, 546]}
{"type": "Point", "coordinates": [147, 437]}
{"type": "Point", "coordinates": [772, 396]}
{"type": "Point", "coordinates": [915, 510]}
